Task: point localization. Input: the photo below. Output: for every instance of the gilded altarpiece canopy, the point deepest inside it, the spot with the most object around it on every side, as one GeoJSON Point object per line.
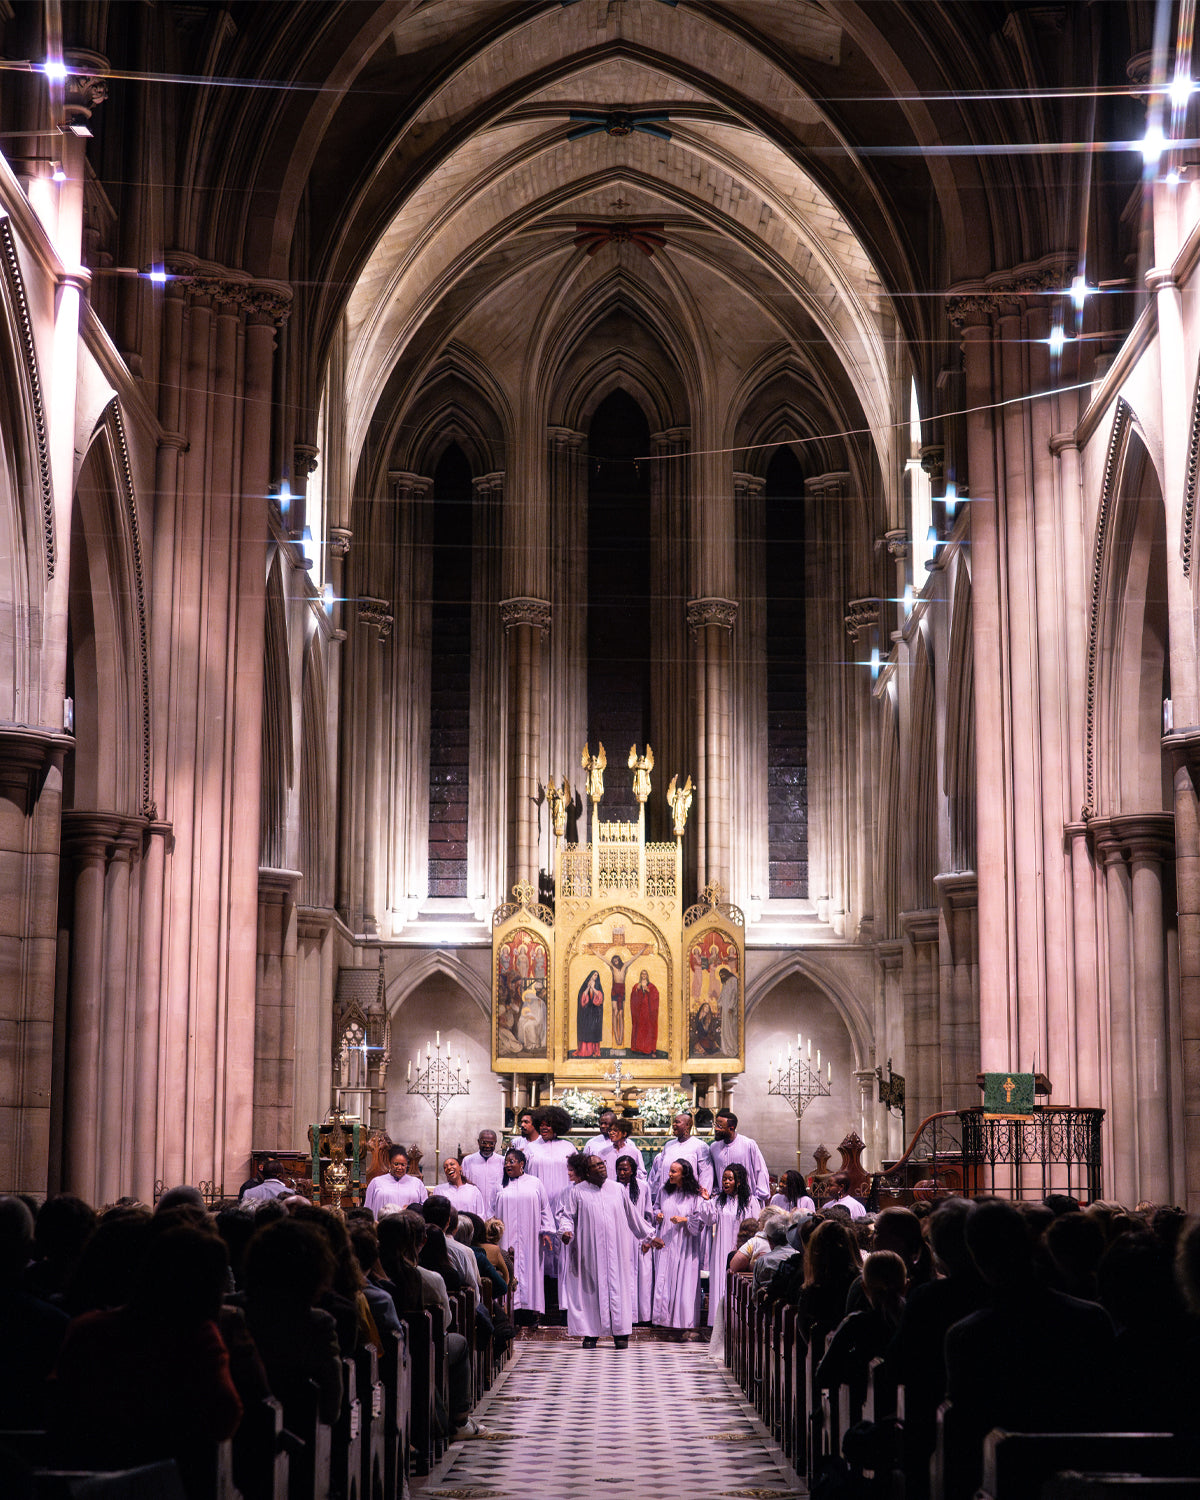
{"type": "Point", "coordinates": [617, 976]}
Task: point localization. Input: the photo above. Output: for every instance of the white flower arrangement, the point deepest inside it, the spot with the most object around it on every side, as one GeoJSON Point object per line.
{"type": "Point", "coordinates": [658, 1107]}
{"type": "Point", "coordinates": [583, 1108]}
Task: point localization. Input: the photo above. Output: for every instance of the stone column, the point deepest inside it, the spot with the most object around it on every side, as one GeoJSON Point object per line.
{"type": "Point", "coordinates": [275, 1011]}
{"type": "Point", "coordinates": [921, 1014]}
{"type": "Point", "coordinates": [486, 829]}
{"type": "Point", "coordinates": [376, 616]}
{"type": "Point", "coordinates": [868, 1107]}
{"type": "Point", "coordinates": [670, 721]}
{"type": "Point", "coordinates": [85, 843]}
{"type": "Point", "coordinates": [711, 622]}
{"type": "Point", "coordinates": [890, 1042]}
{"type": "Point", "coordinates": [525, 621]}
{"type": "Point", "coordinates": [750, 851]}
{"type": "Point", "coordinates": [118, 1052]}
{"type": "Point", "coordinates": [566, 651]}
{"type": "Point", "coordinates": [30, 810]}
{"type": "Point", "coordinates": [1120, 1177]}
{"type": "Point", "coordinates": [958, 988]}
{"type": "Point", "coordinates": [1151, 846]}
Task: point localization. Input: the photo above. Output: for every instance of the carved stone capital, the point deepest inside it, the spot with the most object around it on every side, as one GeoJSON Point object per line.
{"type": "Point", "coordinates": [720, 612]}
{"type": "Point", "coordinates": [1141, 838]}
{"type": "Point", "coordinates": [525, 611]}
{"type": "Point", "coordinates": [1005, 293]}
{"type": "Point", "coordinates": [205, 281]}
{"type": "Point", "coordinates": [378, 613]}
{"type": "Point", "coordinates": [304, 459]}
{"type": "Point", "coordinates": [861, 615]}
{"type": "Point", "coordinates": [933, 461]}
{"type": "Point", "coordinates": [339, 539]}
{"type": "Point", "coordinates": [1158, 280]}
{"type": "Point", "coordinates": [898, 543]}
{"type": "Point", "coordinates": [86, 87]}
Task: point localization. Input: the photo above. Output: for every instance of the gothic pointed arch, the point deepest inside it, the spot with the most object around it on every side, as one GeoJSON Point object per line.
{"type": "Point", "coordinates": [472, 983]}
{"type": "Point", "coordinates": [958, 763]}
{"type": "Point", "coordinates": [843, 996]}
{"type": "Point", "coordinates": [278, 751]}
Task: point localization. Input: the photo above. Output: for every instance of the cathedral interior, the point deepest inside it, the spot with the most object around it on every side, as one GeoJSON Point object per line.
{"type": "Point", "coordinates": [398, 397]}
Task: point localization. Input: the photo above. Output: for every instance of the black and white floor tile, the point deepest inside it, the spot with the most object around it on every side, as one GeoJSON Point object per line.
{"type": "Point", "coordinates": [657, 1421]}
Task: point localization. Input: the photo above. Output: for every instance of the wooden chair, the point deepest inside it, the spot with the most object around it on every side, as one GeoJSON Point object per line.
{"type": "Point", "coordinates": [441, 1383]}
{"type": "Point", "coordinates": [345, 1462]}
{"type": "Point", "coordinates": [1018, 1464]}
{"type": "Point", "coordinates": [396, 1373]}
{"type": "Point", "coordinates": [261, 1452]}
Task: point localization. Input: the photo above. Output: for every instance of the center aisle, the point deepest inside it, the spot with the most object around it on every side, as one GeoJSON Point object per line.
{"type": "Point", "coordinates": [656, 1421]}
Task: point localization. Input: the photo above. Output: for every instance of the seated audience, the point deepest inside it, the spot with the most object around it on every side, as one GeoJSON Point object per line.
{"type": "Point", "coordinates": [31, 1330]}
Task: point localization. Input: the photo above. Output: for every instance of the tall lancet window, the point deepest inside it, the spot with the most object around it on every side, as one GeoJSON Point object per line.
{"type": "Point", "coordinates": [618, 631]}
{"type": "Point", "coordinates": [450, 675]}
{"type": "Point", "coordinates": [787, 681]}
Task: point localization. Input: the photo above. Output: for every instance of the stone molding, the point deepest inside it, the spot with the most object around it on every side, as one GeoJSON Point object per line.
{"type": "Point", "coordinates": [101, 835]}
{"type": "Point", "coordinates": [313, 922]}
{"type": "Point", "coordinates": [304, 459]}
{"type": "Point", "coordinates": [525, 611]}
{"type": "Point", "coordinates": [720, 612]}
{"type": "Point", "coordinates": [861, 615]}
{"type": "Point", "coordinates": [889, 953]}
{"type": "Point", "coordinates": [1005, 293]}
{"type": "Point", "coordinates": [234, 291]}
{"type": "Point", "coordinates": [898, 543]}
{"type": "Point", "coordinates": [1116, 447]}
{"type": "Point", "coordinates": [377, 613]}
{"type": "Point", "coordinates": [1190, 482]}
{"type": "Point", "coordinates": [957, 890]}
{"type": "Point", "coordinates": [276, 886]}
{"type": "Point", "coordinates": [338, 540]}
{"type": "Point", "coordinates": [922, 926]}
{"type": "Point", "coordinates": [24, 755]}
{"type": "Point", "coordinates": [14, 284]}
{"type": "Point", "coordinates": [129, 495]}
{"type": "Point", "coordinates": [1134, 837]}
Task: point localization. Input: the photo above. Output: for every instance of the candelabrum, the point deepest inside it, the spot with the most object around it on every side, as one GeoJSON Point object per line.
{"type": "Point", "coordinates": [799, 1082]}
{"type": "Point", "coordinates": [438, 1081]}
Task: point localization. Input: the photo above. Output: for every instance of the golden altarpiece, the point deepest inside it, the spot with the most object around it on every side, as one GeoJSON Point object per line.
{"type": "Point", "coordinates": [617, 984]}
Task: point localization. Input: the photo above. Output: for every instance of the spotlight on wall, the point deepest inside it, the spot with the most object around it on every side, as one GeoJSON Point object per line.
{"type": "Point", "coordinates": [1056, 340]}
{"type": "Point", "coordinates": [874, 663]}
{"type": "Point", "coordinates": [1180, 90]}
{"type": "Point", "coordinates": [55, 69]}
{"type": "Point", "coordinates": [1079, 293]}
{"type": "Point", "coordinates": [327, 598]}
{"type": "Point", "coordinates": [156, 274]}
{"type": "Point", "coordinates": [908, 600]}
{"type": "Point", "coordinates": [56, 172]}
{"type": "Point", "coordinates": [950, 500]}
{"type": "Point", "coordinates": [285, 499]}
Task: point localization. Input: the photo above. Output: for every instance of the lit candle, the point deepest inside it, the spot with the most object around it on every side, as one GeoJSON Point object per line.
{"type": "Point", "coordinates": [410, 1070]}
{"type": "Point", "coordinates": [789, 1054]}
{"type": "Point", "coordinates": [810, 1049]}
{"type": "Point", "coordinates": [428, 1051]}
{"type": "Point", "coordinates": [828, 1071]}
{"type": "Point", "coordinates": [799, 1044]}
{"type": "Point", "coordinates": [439, 1041]}
{"type": "Point", "coordinates": [818, 1059]}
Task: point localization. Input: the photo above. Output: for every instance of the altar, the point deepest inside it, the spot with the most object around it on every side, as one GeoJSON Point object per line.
{"type": "Point", "coordinates": [616, 987]}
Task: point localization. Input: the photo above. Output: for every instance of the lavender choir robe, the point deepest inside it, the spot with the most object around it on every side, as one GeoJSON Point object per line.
{"type": "Point", "coordinates": [486, 1173]}
{"type": "Point", "coordinates": [525, 1209]}
{"type": "Point", "coordinates": [721, 1220]}
{"type": "Point", "coordinates": [549, 1163]}
{"type": "Point", "coordinates": [741, 1150]}
{"type": "Point", "coordinates": [693, 1151]}
{"type": "Point", "coordinates": [677, 1265]}
{"type": "Point", "coordinates": [780, 1200]}
{"type": "Point", "coordinates": [604, 1224]}
{"type": "Point", "coordinates": [466, 1197]}
{"type": "Point", "coordinates": [609, 1157]}
{"type": "Point", "coordinates": [389, 1192]}
{"type": "Point", "coordinates": [643, 1262]}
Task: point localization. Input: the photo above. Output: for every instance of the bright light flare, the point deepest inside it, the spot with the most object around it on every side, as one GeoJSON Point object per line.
{"type": "Point", "coordinates": [58, 175]}
{"type": "Point", "coordinates": [1154, 143]}
{"type": "Point", "coordinates": [55, 70]}
{"type": "Point", "coordinates": [874, 663]}
{"type": "Point", "coordinates": [1056, 340]}
{"type": "Point", "coordinates": [1079, 293]}
{"type": "Point", "coordinates": [1181, 90]}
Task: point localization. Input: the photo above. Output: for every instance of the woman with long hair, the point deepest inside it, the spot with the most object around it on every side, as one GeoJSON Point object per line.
{"type": "Point", "coordinates": [643, 1260]}
{"type": "Point", "coordinates": [793, 1194]}
{"type": "Point", "coordinates": [721, 1217]}
{"type": "Point", "coordinates": [528, 1231]}
{"type": "Point", "coordinates": [831, 1263]}
{"type": "Point", "coordinates": [678, 1247]}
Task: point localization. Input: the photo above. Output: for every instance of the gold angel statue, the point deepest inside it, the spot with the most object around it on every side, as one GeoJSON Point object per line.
{"type": "Point", "coordinates": [680, 799]}
{"type": "Point", "coordinates": [641, 766]}
{"type": "Point", "coordinates": [594, 766]}
{"type": "Point", "coordinates": [558, 803]}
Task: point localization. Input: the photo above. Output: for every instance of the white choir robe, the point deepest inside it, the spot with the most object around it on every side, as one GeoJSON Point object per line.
{"type": "Point", "coordinates": [780, 1200]}
{"type": "Point", "coordinates": [677, 1264]}
{"type": "Point", "coordinates": [549, 1163]}
{"type": "Point", "coordinates": [693, 1151]}
{"type": "Point", "coordinates": [643, 1262]}
{"type": "Point", "coordinates": [722, 1221]}
{"type": "Point", "coordinates": [744, 1151]}
{"type": "Point", "coordinates": [568, 1280]}
{"type": "Point", "coordinates": [609, 1157]}
{"type": "Point", "coordinates": [391, 1192]}
{"type": "Point", "coordinates": [466, 1197]}
{"type": "Point", "coordinates": [525, 1209]}
{"type": "Point", "coordinates": [486, 1173]}
{"type": "Point", "coordinates": [604, 1224]}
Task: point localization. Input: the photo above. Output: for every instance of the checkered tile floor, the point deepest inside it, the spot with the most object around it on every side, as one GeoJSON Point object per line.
{"type": "Point", "coordinates": [656, 1421]}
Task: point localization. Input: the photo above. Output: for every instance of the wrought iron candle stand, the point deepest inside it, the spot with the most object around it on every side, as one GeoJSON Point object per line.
{"type": "Point", "coordinates": [437, 1082]}
{"type": "Point", "coordinates": [799, 1083]}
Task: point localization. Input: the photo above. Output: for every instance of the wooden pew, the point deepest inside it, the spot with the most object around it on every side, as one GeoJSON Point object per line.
{"type": "Point", "coordinates": [441, 1384]}
{"type": "Point", "coordinates": [1018, 1464]}
{"type": "Point", "coordinates": [396, 1372]}
{"type": "Point", "coordinates": [310, 1452]}
{"type": "Point", "coordinates": [372, 1399]}
{"type": "Point", "coordinates": [261, 1448]}
{"type": "Point", "coordinates": [423, 1383]}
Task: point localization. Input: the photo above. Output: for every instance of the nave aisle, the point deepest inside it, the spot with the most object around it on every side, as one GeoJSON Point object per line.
{"type": "Point", "coordinates": [657, 1421]}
